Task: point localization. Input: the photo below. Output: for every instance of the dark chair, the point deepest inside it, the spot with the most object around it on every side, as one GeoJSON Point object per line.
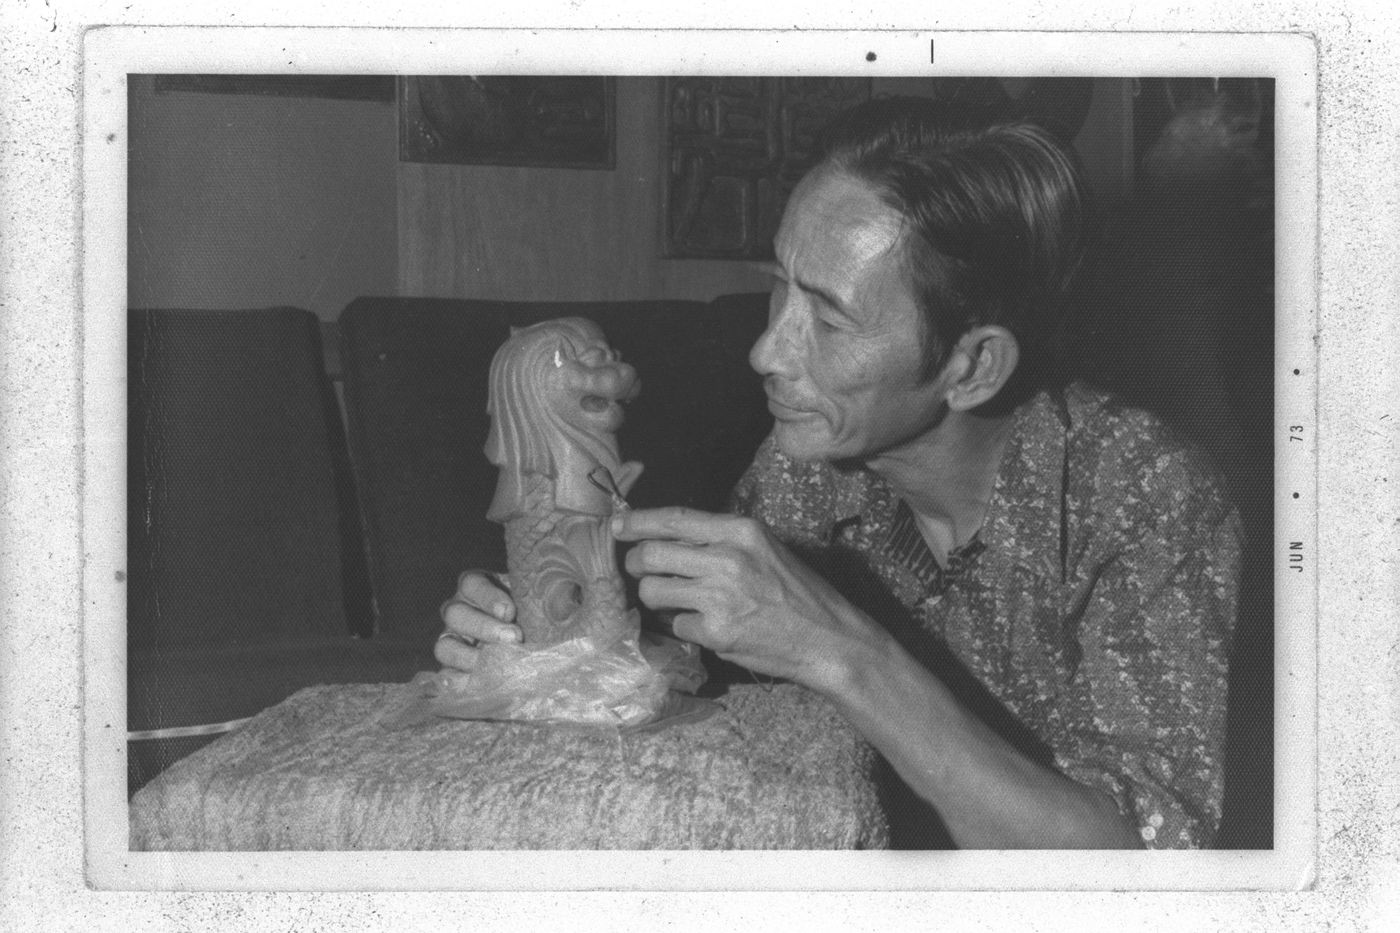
{"type": "Point", "coordinates": [416, 385]}
{"type": "Point", "coordinates": [245, 570]}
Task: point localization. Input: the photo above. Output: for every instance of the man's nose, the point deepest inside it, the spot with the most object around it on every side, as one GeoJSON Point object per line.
{"type": "Point", "coordinates": [774, 353]}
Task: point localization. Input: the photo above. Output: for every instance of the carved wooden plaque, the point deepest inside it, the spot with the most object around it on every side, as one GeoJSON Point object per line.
{"type": "Point", "coordinates": [735, 147]}
{"type": "Point", "coordinates": [541, 121]}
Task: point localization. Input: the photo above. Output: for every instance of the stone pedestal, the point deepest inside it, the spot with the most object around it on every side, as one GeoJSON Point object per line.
{"type": "Point", "coordinates": [771, 769]}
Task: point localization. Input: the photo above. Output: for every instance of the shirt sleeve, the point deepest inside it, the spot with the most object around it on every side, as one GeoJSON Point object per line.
{"type": "Point", "coordinates": [1155, 634]}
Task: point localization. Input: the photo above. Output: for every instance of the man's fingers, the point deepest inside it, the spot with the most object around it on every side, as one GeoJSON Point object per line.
{"type": "Point", "coordinates": [674, 559]}
{"type": "Point", "coordinates": [469, 622]}
{"type": "Point", "coordinates": [477, 589]}
{"type": "Point", "coordinates": [454, 653]}
{"type": "Point", "coordinates": [668, 593]}
{"type": "Point", "coordinates": [689, 626]}
{"type": "Point", "coordinates": [676, 523]}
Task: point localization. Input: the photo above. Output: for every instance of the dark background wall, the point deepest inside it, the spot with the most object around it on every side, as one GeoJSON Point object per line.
{"type": "Point", "coordinates": [242, 200]}
{"type": "Point", "coordinates": [246, 201]}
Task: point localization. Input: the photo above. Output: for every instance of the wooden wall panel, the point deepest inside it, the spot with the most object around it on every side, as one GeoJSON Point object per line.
{"type": "Point", "coordinates": [468, 231]}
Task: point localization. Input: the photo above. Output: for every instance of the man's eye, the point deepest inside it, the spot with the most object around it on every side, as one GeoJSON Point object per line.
{"type": "Point", "coordinates": [827, 317]}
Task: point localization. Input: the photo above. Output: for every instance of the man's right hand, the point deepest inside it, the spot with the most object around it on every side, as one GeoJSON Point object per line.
{"type": "Point", "coordinates": [481, 611]}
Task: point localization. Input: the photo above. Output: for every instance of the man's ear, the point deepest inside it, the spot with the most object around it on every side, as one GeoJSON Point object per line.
{"type": "Point", "coordinates": [982, 364]}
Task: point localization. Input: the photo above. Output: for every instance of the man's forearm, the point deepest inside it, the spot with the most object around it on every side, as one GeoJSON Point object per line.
{"type": "Point", "coordinates": [989, 795]}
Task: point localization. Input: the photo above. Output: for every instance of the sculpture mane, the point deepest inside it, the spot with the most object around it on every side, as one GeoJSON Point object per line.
{"type": "Point", "coordinates": [556, 389]}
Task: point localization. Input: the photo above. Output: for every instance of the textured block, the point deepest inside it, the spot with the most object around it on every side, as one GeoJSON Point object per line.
{"type": "Point", "coordinates": [772, 769]}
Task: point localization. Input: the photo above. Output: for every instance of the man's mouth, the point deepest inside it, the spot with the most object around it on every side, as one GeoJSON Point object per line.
{"type": "Point", "coordinates": [784, 411]}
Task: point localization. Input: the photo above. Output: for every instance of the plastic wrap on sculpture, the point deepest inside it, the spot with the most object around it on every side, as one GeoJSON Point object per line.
{"type": "Point", "coordinates": [556, 397]}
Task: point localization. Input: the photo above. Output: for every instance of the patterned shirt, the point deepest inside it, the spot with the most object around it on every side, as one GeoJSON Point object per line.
{"type": "Point", "coordinates": [1089, 621]}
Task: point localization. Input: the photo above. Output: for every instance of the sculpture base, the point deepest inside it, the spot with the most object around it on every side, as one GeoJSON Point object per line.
{"type": "Point", "coordinates": [773, 769]}
{"type": "Point", "coordinates": [630, 683]}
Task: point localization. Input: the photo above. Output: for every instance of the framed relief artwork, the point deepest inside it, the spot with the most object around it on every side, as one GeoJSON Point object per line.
{"type": "Point", "coordinates": [734, 149]}
{"type": "Point", "coordinates": [542, 121]}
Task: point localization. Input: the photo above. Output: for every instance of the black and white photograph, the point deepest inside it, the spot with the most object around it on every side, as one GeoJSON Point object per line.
{"type": "Point", "coordinates": [931, 545]}
{"type": "Point", "coordinates": [763, 461]}
{"type": "Point", "coordinates": [715, 462]}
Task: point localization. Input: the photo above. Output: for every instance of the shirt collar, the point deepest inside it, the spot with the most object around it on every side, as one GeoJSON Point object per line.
{"type": "Point", "coordinates": [1024, 524]}
{"type": "Point", "coordinates": [856, 491]}
{"type": "Point", "coordinates": [1025, 521]}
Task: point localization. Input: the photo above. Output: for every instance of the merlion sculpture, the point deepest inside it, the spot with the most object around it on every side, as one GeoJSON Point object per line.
{"type": "Point", "coordinates": [556, 394]}
{"type": "Point", "coordinates": [556, 403]}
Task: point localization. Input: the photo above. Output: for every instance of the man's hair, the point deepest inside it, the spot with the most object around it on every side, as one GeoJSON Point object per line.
{"type": "Point", "coordinates": [995, 217]}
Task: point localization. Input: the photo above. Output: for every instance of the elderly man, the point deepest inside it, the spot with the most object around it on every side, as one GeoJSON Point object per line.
{"type": "Point", "coordinates": [1020, 594]}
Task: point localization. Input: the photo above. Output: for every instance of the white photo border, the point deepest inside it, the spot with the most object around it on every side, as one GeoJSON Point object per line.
{"type": "Point", "coordinates": [111, 53]}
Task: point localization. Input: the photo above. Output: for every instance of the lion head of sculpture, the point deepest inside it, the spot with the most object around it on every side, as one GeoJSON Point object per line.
{"type": "Point", "coordinates": [557, 391]}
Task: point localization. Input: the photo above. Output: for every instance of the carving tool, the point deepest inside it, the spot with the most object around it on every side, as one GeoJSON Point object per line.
{"type": "Point", "coordinates": [602, 477]}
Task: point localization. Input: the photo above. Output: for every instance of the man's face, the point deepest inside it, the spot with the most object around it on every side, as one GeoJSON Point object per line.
{"type": "Point", "coordinates": [842, 355]}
